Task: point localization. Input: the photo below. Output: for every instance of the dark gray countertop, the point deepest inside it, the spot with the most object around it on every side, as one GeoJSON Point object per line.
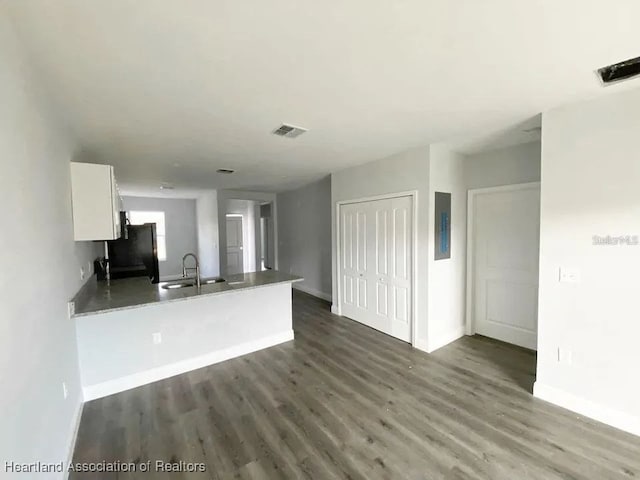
{"type": "Point", "coordinates": [100, 297]}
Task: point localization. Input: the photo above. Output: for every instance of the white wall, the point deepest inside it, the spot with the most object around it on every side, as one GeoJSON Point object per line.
{"type": "Point", "coordinates": [591, 186]}
{"type": "Point", "coordinates": [305, 236]}
{"type": "Point", "coordinates": [39, 265]}
{"type": "Point", "coordinates": [447, 280]}
{"type": "Point", "coordinates": [208, 233]}
{"type": "Point", "coordinates": [408, 171]}
{"type": "Point", "coordinates": [180, 225]}
{"type": "Point", "coordinates": [506, 166]}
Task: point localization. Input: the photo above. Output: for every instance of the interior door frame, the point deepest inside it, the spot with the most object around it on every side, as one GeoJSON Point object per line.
{"type": "Point", "coordinates": [472, 194]}
{"type": "Point", "coordinates": [414, 249]}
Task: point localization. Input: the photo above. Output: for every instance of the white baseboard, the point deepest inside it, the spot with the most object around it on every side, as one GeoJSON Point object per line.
{"type": "Point", "coordinates": [421, 345]}
{"type": "Point", "coordinates": [75, 427]}
{"type": "Point", "coordinates": [334, 309]}
{"type": "Point", "coordinates": [110, 387]}
{"type": "Point", "coordinates": [615, 418]}
{"type": "Point", "coordinates": [443, 339]}
{"type": "Point", "coordinates": [312, 291]}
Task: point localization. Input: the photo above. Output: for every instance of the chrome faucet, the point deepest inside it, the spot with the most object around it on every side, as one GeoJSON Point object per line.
{"type": "Point", "coordinates": [197, 267]}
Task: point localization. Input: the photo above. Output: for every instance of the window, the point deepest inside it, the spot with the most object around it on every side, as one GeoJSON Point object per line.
{"type": "Point", "coordinates": [140, 218]}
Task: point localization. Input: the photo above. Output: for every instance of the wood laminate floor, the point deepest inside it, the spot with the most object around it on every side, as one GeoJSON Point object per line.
{"type": "Point", "coordinates": [343, 401]}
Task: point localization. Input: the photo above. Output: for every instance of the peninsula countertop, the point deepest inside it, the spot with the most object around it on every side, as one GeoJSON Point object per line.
{"type": "Point", "coordinates": [102, 296]}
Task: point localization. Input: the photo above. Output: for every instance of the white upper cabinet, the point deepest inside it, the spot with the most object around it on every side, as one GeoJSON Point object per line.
{"type": "Point", "coordinates": [95, 201]}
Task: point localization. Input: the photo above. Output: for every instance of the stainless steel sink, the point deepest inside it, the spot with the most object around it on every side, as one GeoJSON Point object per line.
{"type": "Point", "coordinates": [173, 286]}
{"type": "Point", "coordinates": [192, 283]}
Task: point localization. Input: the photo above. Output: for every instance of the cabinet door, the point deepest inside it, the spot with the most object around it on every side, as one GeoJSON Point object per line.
{"type": "Point", "coordinates": [93, 203]}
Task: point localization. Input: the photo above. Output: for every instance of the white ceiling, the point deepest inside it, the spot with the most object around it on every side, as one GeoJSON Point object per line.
{"type": "Point", "coordinates": [169, 91]}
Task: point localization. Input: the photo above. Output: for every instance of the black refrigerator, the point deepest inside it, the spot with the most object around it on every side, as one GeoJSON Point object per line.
{"type": "Point", "coordinates": [135, 254]}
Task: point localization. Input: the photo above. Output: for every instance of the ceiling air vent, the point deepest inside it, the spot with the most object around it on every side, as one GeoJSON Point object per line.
{"type": "Point", "coordinates": [620, 71]}
{"type": "Point", "coordinates": [289, 131]}
{"type": "Point", "coordinates": [226, 171]}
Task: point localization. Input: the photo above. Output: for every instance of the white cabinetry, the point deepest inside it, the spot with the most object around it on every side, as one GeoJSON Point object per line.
{"type": "Point", "coordinates": [95, 201]}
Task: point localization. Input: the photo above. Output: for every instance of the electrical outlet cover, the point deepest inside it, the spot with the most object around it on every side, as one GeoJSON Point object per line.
{"type": "Point", "coordinates": [569, 275]}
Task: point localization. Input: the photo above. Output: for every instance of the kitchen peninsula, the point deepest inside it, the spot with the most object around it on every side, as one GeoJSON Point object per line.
{"type": "Point", "coordinates": [131, 332]}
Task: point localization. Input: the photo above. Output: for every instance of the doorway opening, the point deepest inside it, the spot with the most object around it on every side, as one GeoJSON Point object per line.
{"type": "Point", "coordinates": [250, 243]}
{"type": "Point", "coordinates": [267, 246]}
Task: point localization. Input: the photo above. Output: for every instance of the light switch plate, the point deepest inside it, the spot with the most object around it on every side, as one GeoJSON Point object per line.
{"type": "Point", "coordinates": [569, 275]}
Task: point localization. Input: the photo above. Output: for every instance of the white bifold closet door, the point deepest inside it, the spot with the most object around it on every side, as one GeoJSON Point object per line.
{"type": "Point", "coordinates": [376, 264]}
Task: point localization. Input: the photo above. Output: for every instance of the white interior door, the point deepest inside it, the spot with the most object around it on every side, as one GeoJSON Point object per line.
{"type": "Point", "coordinates": [235, 252]}
{"type": "Point", "coordinates": [376, 264]}
{"type": "Point", "coordinates": [506, 238]}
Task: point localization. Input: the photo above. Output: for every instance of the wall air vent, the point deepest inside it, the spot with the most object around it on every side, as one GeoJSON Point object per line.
{"type": "Point", "coordinates": [289, 131]}
{"type": "Point", "coordinates": [226, 171]}
{"type": "Point", "coordinates": [620, 71]}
